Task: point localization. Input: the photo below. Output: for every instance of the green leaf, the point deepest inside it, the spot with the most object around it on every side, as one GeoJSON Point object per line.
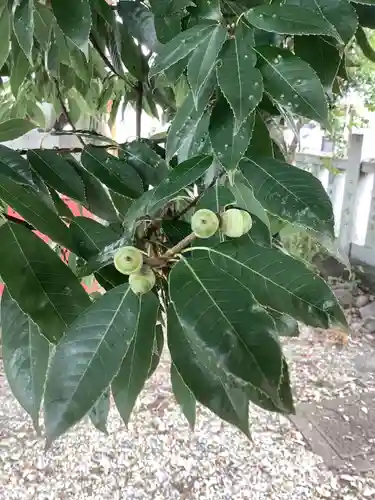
{"type": "Point", "coordinates": [278, 281]}
{"type": "Point", "coordinates": [74, 19]}
{"type": "Point", "coordinates": [175, 230]}
{"type": "Point", "coordinates": [19, 71]}
{"type": "Point", "coordinates": [23, 23]}
{"type": "Point", "coordinates": [182, 131]}
{"type": "Point", "coordinates": [292, 83]}
{"type": "Point", "coordinates": [95, 345]}
{"type": "Point", "coordinates": [43, 24]}
{"type": "Point", "coordinates": [152, 201]}
{"type": "Point", "coordinates": [156, 350]}
{"type": "Point", "coordinates": [325, 59]}
{"type": "Point", "coordinates": [240, 82]}
{"type": "Point", "coordinates": [99, 413]}
{"type": "Point", "coordinates": [208, 381]}
{"type": "Point", "coordinates": [25, 355]}
{"type": "Point", "coordinates": [261, 143]}
{"type": "Point", "coordinates": [14, 128]}
{"type": "Point", "coordinates": [135, 366]}
{"type": "Point", "coordinates": [290, 193]}
{"type": "Point", "coordinates": [44, 287]}
{"type": "Point", "coordinates": [5, 33]}
{"type": "Point", "coordinates": [228, 145]}
{"type": "Point", "coordinates": [203, 60]}
{"type": "Point", "coordinates": [290, 20]}
{"type": "Point", "coordinates": [286, 326]}
{"type": "Point", "coordinates": [113, 172]}
{"type": "Point", "coordinates": [26, 201]}
{"type": "Point", "coordinates": [245, 198]}
{"type": "Point", "coordinates": [132, 55]}
{"type": "Point", "coordinates": [98, 200]}
{"type": "Point", "coordinates": [150, 166]}
{"type": "Point", "coordinates": [183, 395]}
{"type": "Point", "coordinates": [90, 236]}
{"type": "Point", "coordinates": [180, 47]}
{"type": "Point", "coordinates": [57, 173]}
{"type": "Point", "coordinates": [340, 13]}
{"type": "Point", "coordinates": [14, 166]}
{"type": "Point", "coordinates": [220, 316]}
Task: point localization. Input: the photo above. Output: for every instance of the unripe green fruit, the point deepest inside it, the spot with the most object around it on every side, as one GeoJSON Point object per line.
{"type": "Point", "coordinates": [235, 222]}
{"type": "Point", "coordinates": [143, 281]}
{"type": "Point", "coordinates": [204, 223]}
{"type": "Point", "coordinates": [128, 260]}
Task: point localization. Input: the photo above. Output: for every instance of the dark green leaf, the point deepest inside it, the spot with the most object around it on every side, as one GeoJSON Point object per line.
{"type": "Point", "coordinates": [14, 166]}
{"type": "Point", "coordinates": [290, 193]}
{"type": "Point", "coordinates": [221, 317]}
{"type": "Point", "coordinates": [286, 326]}
{"type": "Point", "coordinates": [150, 166]}
{"type": "Point", "coordinates": [99, 413]}
{"type": "Point", "coordinates": [290, 20]}
{"type": "Point", "coordinates": [152, 201]}
{"type": "Point", "coordinates": [12, 129]}
{"type": "Point", "coordinates": [25, 354]}
{"type": "Point", "coordinates": [57, 173]}
{"type": "Point", "coordinates": [113, 172]}
{"type": "Point", "coordinates": [181, 46]}
{"type": "Point", "coordinates": [140, 22]}
{"type": "Point", "coordinates": [185, 124]}
{"type": "Point", "coordinates": [19, 71]}
{"type": "Point", "coordinates": [208, 381]}
{"type": "Point", "coordinates": [43, 24]}
{"type": "Point", "coordinates": [23, 22]}
{"type": "Point", "coordinates": [240, 82]}
{"type": "Point", "coordinates": [5, 30]}
{"type": "Point", "coordinates": [175, 230]}
{"type": "Point", "coordinates": [203, 61]}
{"type": "Point", "coordinates": [37, 279]}
{"type": "Point", "coordinates": [74, 19]}
{"type": "Point", "coordinates": [135, 366]}
{"type": "Point", "coordinates": [26, 201]}
{"type": "Point", "coordinates": [228, 145]}
{"type": "Point", "coordinates": [324, 59]}
{"type": "Point", "coordinates": [97, 199]}
{"type": "Point", "coordinates": [184, 397]}
{"type": "Point", "coordinates": [339, 13]}
{"type": "Point", "coordinates": [278, 281]}
{"type": "Point", "coordinates": [292, 83]}
{"type": "Point", "coordinates": [89, 236]}
{"type": "Point", "coordinates": [95, 345]}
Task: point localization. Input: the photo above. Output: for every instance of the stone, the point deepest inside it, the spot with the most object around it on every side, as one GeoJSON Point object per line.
{"type": "Point", "coordinates": [361, 301]}
{"type": "Point", "coordinates": [344, 296]}
{"type": "Point", "coordinates": [368, 311]}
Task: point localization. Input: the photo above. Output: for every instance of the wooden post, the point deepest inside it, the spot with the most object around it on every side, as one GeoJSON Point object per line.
{"type": "Point", "coordinates": [350, 188]}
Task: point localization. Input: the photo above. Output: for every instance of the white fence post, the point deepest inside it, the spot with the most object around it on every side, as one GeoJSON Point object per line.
{"type": "Point", "coordinates": [350, 187]}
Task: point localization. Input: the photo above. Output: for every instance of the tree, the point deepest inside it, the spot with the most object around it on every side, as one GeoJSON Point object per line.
{"type": "Point", "coordinates": [184, 240]}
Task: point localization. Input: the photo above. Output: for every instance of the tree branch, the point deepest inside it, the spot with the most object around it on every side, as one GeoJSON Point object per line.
{"type": "Point", "coordinates": [138, 110]}
{"type": "Point", "coordinates": [62, 103]}
{"type": "Point", "coordinates": [76, 150]}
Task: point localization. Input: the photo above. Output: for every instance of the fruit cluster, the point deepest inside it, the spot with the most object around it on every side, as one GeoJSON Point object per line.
{"type": "Point", "coordinates": [129, 260]}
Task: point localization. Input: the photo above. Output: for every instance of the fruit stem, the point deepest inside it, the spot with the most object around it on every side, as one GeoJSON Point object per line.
{"type": "Point", "coordinates": [180, 245]}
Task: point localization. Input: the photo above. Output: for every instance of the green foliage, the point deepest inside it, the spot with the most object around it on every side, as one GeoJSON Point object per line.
{"type": "Point", "coordinates": [223, 73]}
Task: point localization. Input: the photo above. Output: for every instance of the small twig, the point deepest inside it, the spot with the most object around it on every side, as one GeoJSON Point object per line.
{"type": "Point", "coordinates": [189, 206]}
{"type": "Point", "coordinates": [180, 246]}
{"type": "Point", "coordinates": [138, 110]}
{"type": "Point", "coordinates": [62, 103]}
{"type": "Point", "coordinates": [24, 223]}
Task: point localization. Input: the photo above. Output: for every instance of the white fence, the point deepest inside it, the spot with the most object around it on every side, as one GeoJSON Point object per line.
{"type": "Point", "coordinates": [350, 183]}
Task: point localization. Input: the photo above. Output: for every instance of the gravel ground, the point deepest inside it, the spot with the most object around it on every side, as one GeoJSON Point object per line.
{"type": "Point", "coordinates": [158, 457]}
